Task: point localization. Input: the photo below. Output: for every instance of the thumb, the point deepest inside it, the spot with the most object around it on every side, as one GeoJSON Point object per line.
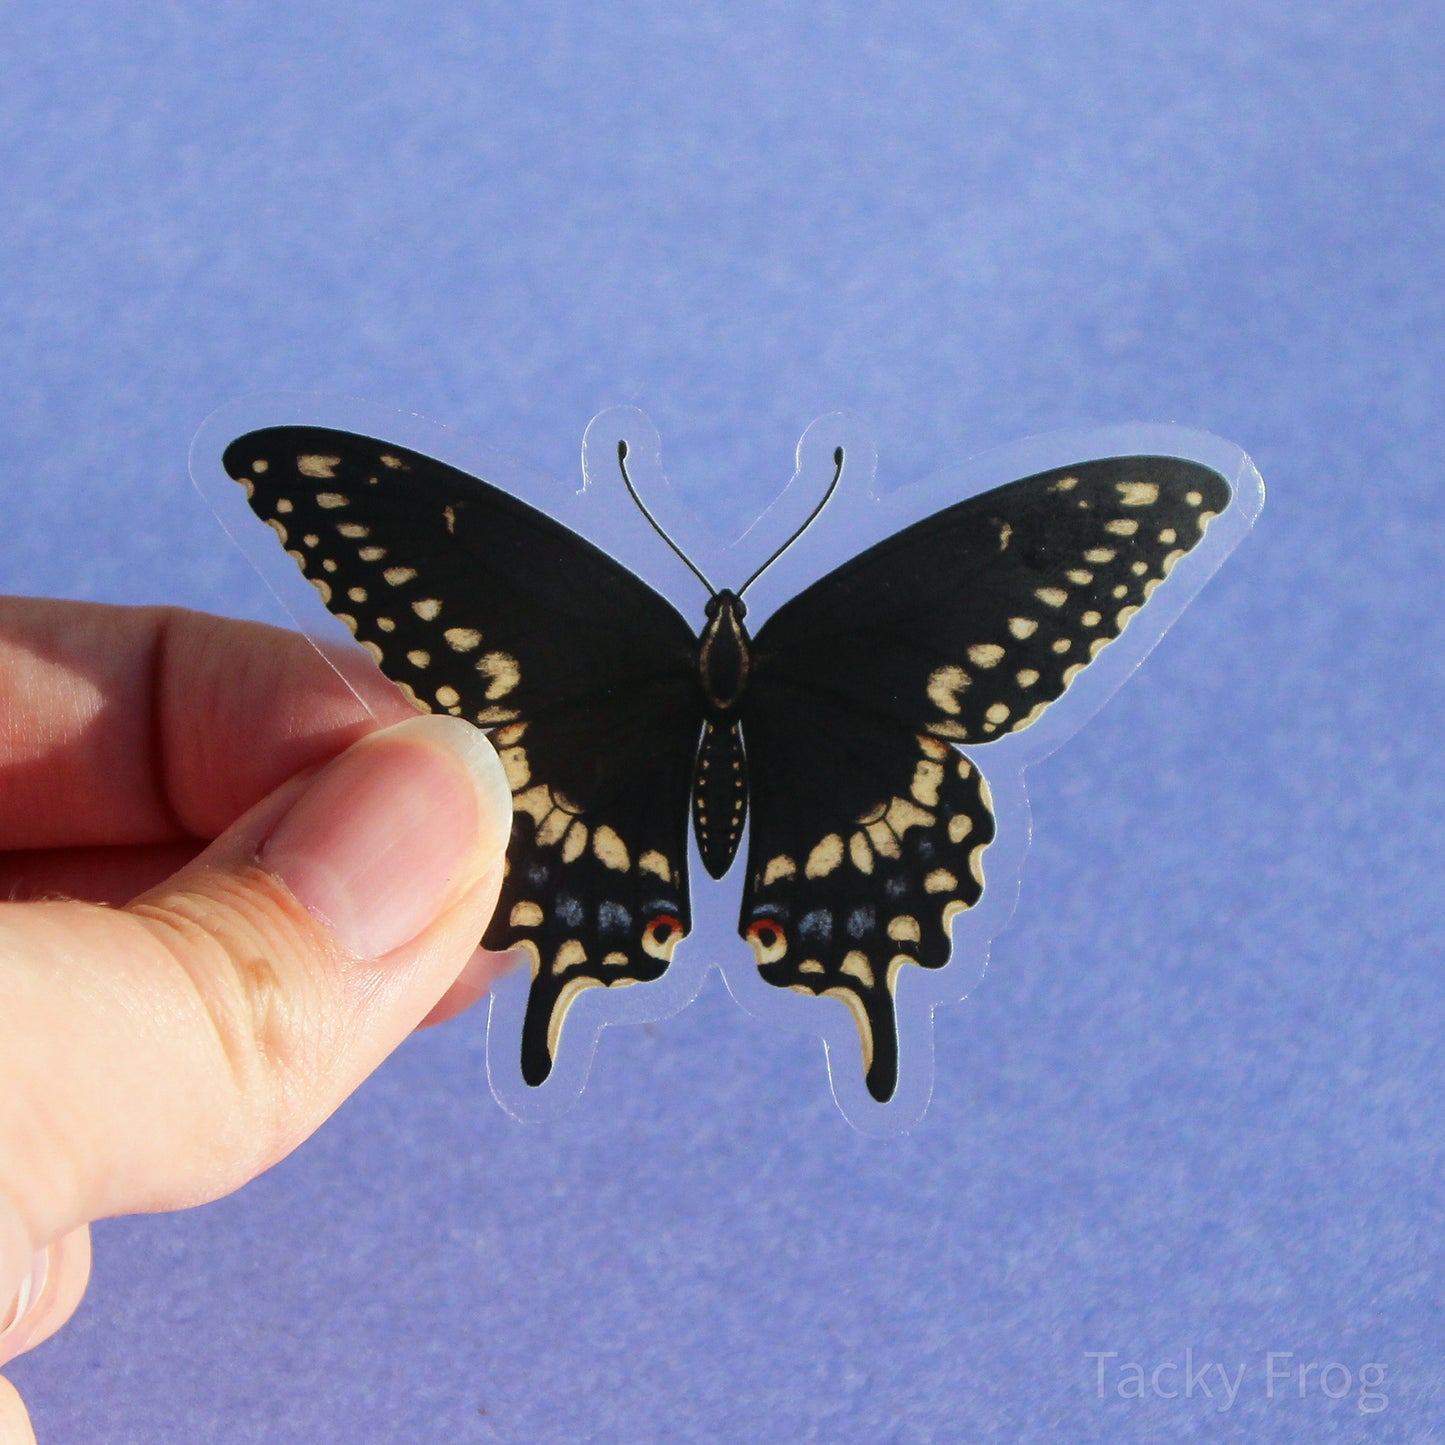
{"type": "Point", "coordinates": [160, 1055]}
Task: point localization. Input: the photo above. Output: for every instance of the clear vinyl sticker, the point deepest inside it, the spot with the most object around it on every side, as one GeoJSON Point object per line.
{"type": "Point", "coordinates": [797, 756]}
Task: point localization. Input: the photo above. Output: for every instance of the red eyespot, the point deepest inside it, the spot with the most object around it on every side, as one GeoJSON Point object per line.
{"type": "Point", "coordinates": [769, 941]}
{"type": "Point", "coordinates": [661, 935]}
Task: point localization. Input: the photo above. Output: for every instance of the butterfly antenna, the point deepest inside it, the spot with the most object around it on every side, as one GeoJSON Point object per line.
{"type": "Point", "coordinates": [656, 525]}
{"type": "Point", "coordinates": [811, 518]}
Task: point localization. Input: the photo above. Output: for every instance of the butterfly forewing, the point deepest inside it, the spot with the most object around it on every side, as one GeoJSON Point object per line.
{"type": "Point", "coordinates": [959, 629]}
{"type": "Point", "coordinates": [482, 607]}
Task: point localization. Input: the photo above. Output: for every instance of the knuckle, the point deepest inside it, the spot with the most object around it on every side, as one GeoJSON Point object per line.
{"type": "Point", "coordinates": [251, 965]}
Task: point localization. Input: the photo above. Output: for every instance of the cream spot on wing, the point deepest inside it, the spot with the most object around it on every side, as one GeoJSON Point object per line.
{"type": "Point", "coordinates": [1194, 498]}
{"type": "Point", "coordinates": [518, 769]}
{"type": "Point", "coordinates": [418, 658]}
{"type": "Point", "coordinates": [825, 857]}
{"type": "Point", "coordinates": [501, 670]}
{"type": "Point", "coordinates": [951, 910]}
{"type": "Point", "coordinates": [449, 516]}
{"type": "Point", "coordinates": [861, 852]}
{"type": "Point", "coordinates": [505, 737]}
{"type": "Point", "coordinates": [959, 827]}
{"type": "Point", "coordinates": [322, 586]}
{"type": "Point", "coordinates": [1171, 559]}
{"type": "Point", "coordinates": [377, 656]}
{"type": "Point", "coordinates": [1137, 494]}
{"type": "Point", "coordinates": [526, 915]}
{"type": "Point", "coordinates": [312, 464]}
{"type": "Point", "coordinates": [1138, 568]}
{"type": "Point", "coordinates": [553, 826]}
{"type": "Point", "coordinates": [448, 696]}
{"type": "Point", "coordinates": [330, 500]}
{"type": "Point", "coordinates": [998, 713]}
{"type": "Point", "coordinates": [811, 965]}
{"type": "Point", "coordinates": [1099, 555]}
{"type": "Point", "coordinates": [277, 528]}
{"type": "Point", "coordinates": [1022, 627]}
{"type": "Point", "coordinates": [356, 594]}
{"type": "Point", "coordinates": [1004, 533]}
{"type": "Point", "coordinates": [903, 815]}
{"type": "Point", "coordinates": [904, 929]}
{"type": "Point", "coordinates": [535, 802]}
{"type": "Point", "coordinates": [975, 864]}
{"type": "Point", "coordinates": [1168, 536]}
{"type": "Point", "coordinates": [1080, 576]}
{"type": "Point", "coordinates": [1122, 527]}
{"type": "Point", "coordinates": [1052, 596]}
{"type": "Point", "coordinates": [616, 960]}
{"type": "Point", "coordinates": [948, 729]}
{"type": "Point", "coordinates": [985, 654]}
{"type": "Point", "coordinates": [1120, 591]}
{"type": "Point", "coordinates": [884, 840]}
{"type": "Point", "coordinates": [463, 639]}
{"type": "Point", "coordinates": [653, 862]}
{"type": "Point", "coordinates": [940, 881]}
{"type": "Point", "coordinates": [347, 621]}
{"type": "Point", "coordinates": [387, 460]}
{"type": "Point", "coordinates": [260, 465]}
{"type": "Point", "coordinates": [1065, 484]}
{"type": "Point", "coordinates": [574, 843]}
{"type": "Point", "coordinates": [855, 964]}
{"type": "Point", "coordinates": [927, 776]}
{"type": "Point", "coordinates": [427, 608]}
{"type": "Point", "coordinates": [611, 849]}
{"type": "Point", "coordinates": [397, 576]}
{"type": "Point", "coordinates": [1062, 644]}
{"type": "Point", "coordinates": [386, 624]}
{"type": "Point", "coordinates": [1091, 618]}
{"type": "Point", "coordinates": [1026, 677]}
{"type": "Point", "coordinates": [944, 685]}
{"type": "Point", "coordinates": [328, 564]}
{"type": "Point", "coordinates": [569, 955]}
{"type": "Point", "coordinates": [778, 867]}
{"type": "Point", "coordinates": [310, 540]}
{"type": "Point", "coordinates": [371, 554]}
{"type": "Point", "coordinates": [354, 530]}
{"type": "Point", "coordinates": [283, 505]}
{"type": "Point", "coordinates": [1070, 673]}
{"type": "Point", "coordinates": [1098, 645]}
{"type": "Point", "coordinates": [1125, 613]}
{"type": "Point", "coordinates": [932, 749]}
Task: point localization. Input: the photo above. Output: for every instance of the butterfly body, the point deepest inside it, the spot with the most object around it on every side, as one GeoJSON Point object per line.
{"type": "Point", "coordinates": [831, 742]}
{"type": "Point", "coordinates": [720, 780]}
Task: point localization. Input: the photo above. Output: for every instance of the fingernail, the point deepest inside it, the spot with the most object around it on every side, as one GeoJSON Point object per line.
{"type": "Point", "coordinates": [30, 1290]}
{"type": "Point", "coordinates": [394, 831]}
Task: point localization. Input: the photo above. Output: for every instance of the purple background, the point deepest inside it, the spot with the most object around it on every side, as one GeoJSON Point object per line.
{"type": "Point", "coordinates": [1196, 1103]}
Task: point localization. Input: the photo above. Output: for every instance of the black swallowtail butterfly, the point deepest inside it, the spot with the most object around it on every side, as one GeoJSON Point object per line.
{"type": "Point", "coordinates": [834, 727]}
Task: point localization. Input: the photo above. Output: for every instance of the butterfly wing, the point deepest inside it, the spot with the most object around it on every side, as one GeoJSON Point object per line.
{"type": "Point", "coordinates": [868, 830]}
{"type": "Point", "coordinates": [480, 606]}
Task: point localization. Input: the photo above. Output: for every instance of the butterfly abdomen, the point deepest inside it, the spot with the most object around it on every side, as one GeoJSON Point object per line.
{"type": "Point", "coordinates": [720, 780]}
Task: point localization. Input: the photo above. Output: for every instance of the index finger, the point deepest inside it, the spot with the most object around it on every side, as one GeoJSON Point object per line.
{"type": "Point", "coordinates": [150, 725]}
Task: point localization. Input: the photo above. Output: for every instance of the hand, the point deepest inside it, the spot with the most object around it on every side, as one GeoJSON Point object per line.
{"type": "Point", "coordinates": [294, 887]}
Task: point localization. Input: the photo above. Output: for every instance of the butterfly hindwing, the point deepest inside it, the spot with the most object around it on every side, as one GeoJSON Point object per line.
{"type": "Point", "coordinates": [480, 606]}
{"type": "Point", "coordinates": [961, 628]}
{"type": "Point", "coordinates": [867, 839]}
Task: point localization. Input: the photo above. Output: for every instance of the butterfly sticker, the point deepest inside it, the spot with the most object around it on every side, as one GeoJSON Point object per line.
{"type": "Point", "coordinates": [827, 753]}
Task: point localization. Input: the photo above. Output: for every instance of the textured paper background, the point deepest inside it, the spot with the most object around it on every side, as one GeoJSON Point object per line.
{"type": "Point", "coordinates": [1196, 1103]}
